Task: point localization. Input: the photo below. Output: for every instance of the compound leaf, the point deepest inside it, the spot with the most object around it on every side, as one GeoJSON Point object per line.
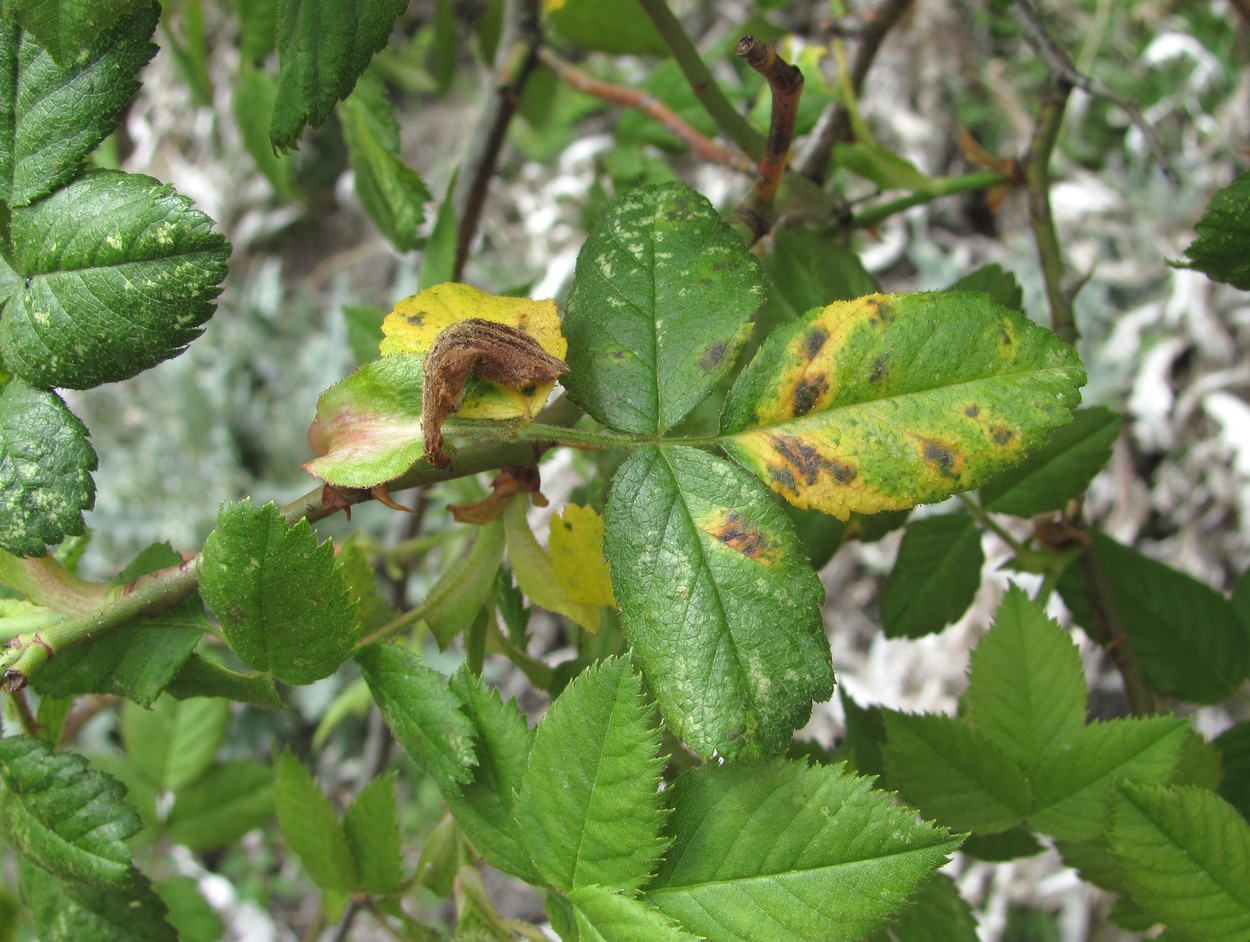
{"type": "Point", "coordinates": [718, 600]}
{"type": "Point", "coordinates": [780, 850]}
{"type": "Point", "coordinates": [935, 576]}
{"type": "Point", "coordinates": [589, 804]}
{"type": "Point", "coordinates": [323, 47]}
{"type": "Point", "coordinates": [660, 307]}
{"type": "Point", "coordinates": [894, 400]}
{"type": "Point", "coordinates": [280, 598]}
{"type": "Point", "coordinates": [119, 274]}
{"type": "Point", "coordinates": [65, 816]}
{"type": "Point", "coordinates": [45, 470]}
{"type": "Point", "coordinates": [1185, 855]}
{"type": "Point", "coordinates": [60, 94]}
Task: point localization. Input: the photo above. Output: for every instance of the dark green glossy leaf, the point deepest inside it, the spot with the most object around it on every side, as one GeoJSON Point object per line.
{"type": "Point", "coordinates": [1058, 471]}
{"type": "Point", "coordinates": [323, 47]}
{"type": "Point", "coordinates": [660, 306]}
{"type": "Point", "coordinates": [935, 576]}
{"type": "Point", "coordinates": [936, 914]}
{"type": "Point", "coordinates": [45, 470]}
{"type": "Point", "coordinates": [63, 815]}
{"type": "Point", "coordinates": [422, 712]}
{"type": "Point", "coordinates": [120, 273]}
{"type": "Point", "coordinates": [589, 804]}
{"type": "Point", "coordinates": [779, 850]}
{"type": "Point", "coordinates": [391, 192]}
{"type": "Point", "coordinates": [718, 600]}
{"type": "Point", "coordinates": [68, 911]}
{"type": "Point", "coordinates": [279, 595]}
{"type": "Point", "coordinates": [1223, 236]}
{"type": "Point", "coordinates": [52, 116]}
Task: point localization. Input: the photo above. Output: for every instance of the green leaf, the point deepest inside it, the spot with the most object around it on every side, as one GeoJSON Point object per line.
{"type": "Point", "coordinates": [323, 47]}
{"type": "Point", "coordinates": [935, 576]}
{"type": "Point", "coordinates": [1058, 471]}
{"type": "Point", "coordinates": [203, 676]}
{"type": "Point", "coordinates": [888, 170]}
{"type": "Point", "coordinates": [364, 329]}
{"type": "Point", "coordinates": [45, 470]}
{"type": "Point", "coordinates": [310, 827]}
{"type": "Point", "coordinates": [717, 599]}
{"type": "Point", "coordinates": [660, 306]}
{"type": "Point", "coordinates": [1185, 855]}
{"type": "Point", "coordinates": [954, 774]}
{"type": "Point", "coordinates": [174, 742]}
{"type": "Point", "coordinates": [999, 283]}
{"type": "Point", "coordinates": [68, 911]}
{"type": "Point", "coordinates": [1074, 785]}
{"type": "Point", "coordinates": [589, 805]}
{"type": "Point", "coordinates": [278, 594]}
{"type": "Point", "coordinates": [63, 815]}
{"type": "Point", "coordinates": [391, 192]}
{"type": "Point", "coordinates": [1186, 636]}
{"type": "Point", "coordinates": [465, 585]}
{"type": "Point", "coordinates": [616, 26]}
{"type": "Point", "coordinates": [807, 269]}
{"type": "Point", "coordinates": [779, 850]}
{"type": "Point", "coordinates": [421, 711]}
{"type": "Point", "coordinates": [222, 805]}
{"type": "Point", "coordinates": [890, 401]}
{"type": "Point", "coordinates": [438, 261]}
{"type": "Point", "coordinates": [254, 96]}
{"type": "Point", "coordinates": [936, 914]}
{"type": "Point", "coordinates": [484, 807]}
{"type": "Point", "coordinates": [1234, 747]}
{"type": "Point", "coordinates": [368, 426]}
{"type": "Point", "coordinates": [1223, 234]}
{"type": "Point", "coordinates": [258, 24]}
{"type": "Point", "coordinates": [1026, 687]}
{"type": "Point", "coordinates": [606, 914]}
{"type": "Point", "coordinates": [189, 912]}
{"type": "Point", "coordinates": [53, 115]}
{"type": "Point", "coordinates": [372, 830]}
{"type": "Point", "coordinates": [120, 273]}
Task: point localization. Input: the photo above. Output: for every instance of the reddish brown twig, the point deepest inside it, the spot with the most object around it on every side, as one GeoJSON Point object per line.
{"type": "Point", "coordinates": [786, 83]}
{"type": "Point", "coordinates": [652, 107]}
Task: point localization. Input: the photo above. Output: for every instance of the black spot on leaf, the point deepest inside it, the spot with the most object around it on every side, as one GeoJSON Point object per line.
{"type": "Point", "coordinates": [808, 392]}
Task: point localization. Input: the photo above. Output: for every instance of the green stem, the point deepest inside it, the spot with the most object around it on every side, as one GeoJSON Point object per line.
{"type": "Point", "coordinates": [942, 186]}
{"type": "Point", "coordinates": [1107, 629]}
{"type": "Point", "coordinates": [45, 582]}
{"type": "Point", "coordinates": [731, 123]}
{"type": "Point", "coordinates": [537, 672]}
{"type": "Point", "coordinates": [1041, 220]}
{"type": "Point", "coordinates": [982, 517]}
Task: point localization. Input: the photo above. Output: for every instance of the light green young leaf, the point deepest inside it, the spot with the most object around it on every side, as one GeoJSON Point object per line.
{"type": "Point", "coordinates": [1223, 234]}
{"type": "Point", "coordinates": [888, 170]}
{"type": "Point", "coordinates": [780, 850]}
{"type": "Point", "coordinates": [63, 815]}
{"type": "Point", "coordinates": [890, 401]}
{"type": "Point", "coordinates": [605, 914]}
{"type": "Point", "coordinates": [254, 95]}
{"type": "Point", "coordinates": [45, 470]}
{"type": "Point", "coordinates": [1059, 470]}
{"type": "Point", "coordinates": [279, 595]}
{"type": "Point", "coordinates": [391, 192]}
{"type": "Point", "coordinates": [189, 912]}
{"type": "Point", "coordinates": [323, 47]}
{"type": "Point", "coordinates": [465, 585]}
{"type": "Point", "coordinates": [69, 911]}
{"type": "Point", "coordinates": [372, 828]}
{"type": "Point", "coordinates": [617, 26]}
{"type": "Point", "coordinates": [1075, 783]}
{"type": "Point", "coordinates": [120, 273]}
{"type": "Point", "coordinates": [1187, 637]}
{"type": "Point", "coordinates": [954, 774]}
{"type": "Point", "coordinates": [484, 808]}
{"type": "Point", "coordinates": [222, 805]}
{"type": "Point", "coordinates": [935, 576]}
{"type": "Point", "coordinates": [589, 804]}
{"type": "Point", "coordinates": [53, 115]}
{"type": "Point", "coordinates": [422, 712]}
{"type": "Point", "coordinates": [660, 306]}
{"type": "Point", "coordinates": [1185, 855]}
{"type": "Point", "coordinates": [173, 743]}
{"type": "Point", "coordinates": [718, 600]}
{"type": "Point", "coordinates": [368, 426]}
{"type": "Point", "coordinates": [310, 827]}
{"type": "Point", "coordinates": [1026, 688]}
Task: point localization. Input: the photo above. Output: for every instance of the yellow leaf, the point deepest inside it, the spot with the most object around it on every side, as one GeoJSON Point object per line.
{"type": "Point", "coordinates": [535, 574]}
{"type": "Point", "coordinates": [576, 547]}
{"type": "Point", "coordinates": [415, 322]}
